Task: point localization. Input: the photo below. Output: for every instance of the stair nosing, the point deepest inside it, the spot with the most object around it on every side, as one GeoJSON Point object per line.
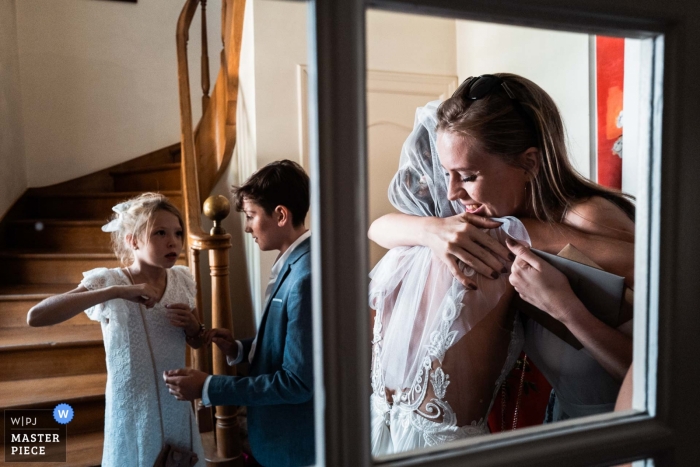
{"type": "Point", "coordinates": [101, 194]}
{"type": "Point", "coordinates": [60, 222]}
{"type": "Point", "coordinates": [139, 170]}
{"type": "Point", "coordinates": [21, 297]}
{"type": "Point", "coordinates": [57, 255]}
{"type": "Point", "coordinates": [51, 345]}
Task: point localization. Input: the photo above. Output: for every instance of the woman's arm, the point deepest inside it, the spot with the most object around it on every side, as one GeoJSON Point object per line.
{"type": "Point", "coordinates": [450, 238]}
{"type": "Point", "coordinates": [63, 307]}
{"type": "Point", "coordinates": [542, 285]}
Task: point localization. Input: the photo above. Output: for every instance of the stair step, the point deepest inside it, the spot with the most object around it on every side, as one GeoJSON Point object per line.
{"type": "Point", "coordinates": [82, 450]}
{"type": "Point", "coordinates": [153, 178]}
{"type": "Point", "coordinates": [84, 393]}
{"type": "Point", "coordinates": [36, 393]}
{"type": "Point", "coordinates": [58, 235]}
{"type": "Point", "coordinates": [29, 353]}
{"type": "Point", "coordinates": [90, 205]}
{"type": "Point", "coordinates": [15, 303]}
{"type": "Point", "coordinates": [48, 268]}
{"type": "Point", "coordinates": [50, 336]}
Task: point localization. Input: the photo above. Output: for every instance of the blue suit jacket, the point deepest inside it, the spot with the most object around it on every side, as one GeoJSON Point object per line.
{"type": "Point", "coordinates": [279, 390]}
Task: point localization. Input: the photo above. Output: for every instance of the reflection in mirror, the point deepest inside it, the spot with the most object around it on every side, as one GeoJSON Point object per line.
{"type": "Point", "coordinates": [502, 217]}
{"type": "Point", "coordinates": [101, 102]}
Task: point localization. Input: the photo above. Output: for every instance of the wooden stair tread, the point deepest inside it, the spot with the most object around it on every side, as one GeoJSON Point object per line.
{"type": "Point", "coordinates": [83, 450]}
{"type": "Point", "coordinates": [62, 222]}
{"type": "Point", "coordinates": [28, 392]}
{"type": "Point", "coordinates": [100, 194]}
{"type": "Point", "coordinates": [26, 337]}
{"type": "Point", "coordinates": [151, 168]}
{"type": "Point", "coordinates": [48, 254]}
{"type": "Point", "coordinates": [32, 291]}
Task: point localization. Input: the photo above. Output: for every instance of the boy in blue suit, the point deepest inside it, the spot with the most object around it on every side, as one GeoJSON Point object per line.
{"type": "Point", "coordinates": [279, 389]}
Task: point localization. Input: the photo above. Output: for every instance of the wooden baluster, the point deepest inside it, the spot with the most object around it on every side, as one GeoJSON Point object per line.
{"type": "Point", "coordinates": [204, 414]}
{"type": "Point", "coordinates": [205, 59]}
{"type": "Point", "coordinates": [217, 208]}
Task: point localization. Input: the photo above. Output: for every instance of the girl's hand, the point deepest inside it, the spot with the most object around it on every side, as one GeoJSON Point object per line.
{"type": "Point", "coordinates": [225, 341]}
{"type": "Point", "coordinates": [182, 316]}
{"type": "Point", "coordinates": [540, 283]}
{"type": "Point", "coordinates": [145, 294]}
{"type": "Point", "coordinates": [461, 238]}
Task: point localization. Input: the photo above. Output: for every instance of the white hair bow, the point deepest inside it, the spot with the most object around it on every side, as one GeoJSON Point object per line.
{"type": "Point", "coordinates": [116, 223]}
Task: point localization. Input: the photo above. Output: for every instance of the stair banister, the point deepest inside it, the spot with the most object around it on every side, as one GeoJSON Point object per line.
{"type": "Point", "coordinates": [206, 152]}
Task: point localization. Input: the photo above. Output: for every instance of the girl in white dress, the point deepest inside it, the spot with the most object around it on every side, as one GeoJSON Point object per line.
{"type": "Point", "coordinates": [146, 311]}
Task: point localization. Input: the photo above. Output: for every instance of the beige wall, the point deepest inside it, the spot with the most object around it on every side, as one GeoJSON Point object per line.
{"type": "Point", "coordinates": [13, 177]}
{"type": "Point", "coordinates": [99, 82]}
{"type": "Point", "coordinates": [557, 61]}
{"type": "Point", "coordinates": [410, 43]}
{"type": "Point", "coordinates": [417, 56]}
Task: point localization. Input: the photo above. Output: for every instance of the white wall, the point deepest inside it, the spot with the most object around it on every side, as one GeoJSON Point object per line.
{"type": "Point", "coordinates": [396, 42]}
{"type": "Point", "coordinates": [99, 81]}
{"type": "Point", "coordinates": [557, 61]}
{"type": "Point", "coordinates": [13, 176]}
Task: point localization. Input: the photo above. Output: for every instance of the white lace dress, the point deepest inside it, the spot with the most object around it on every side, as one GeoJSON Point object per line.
{"type": "Point", "coordinates": [132, 419]}
{"type": "Point", "coordinates": [425, 319]}
{"type": "Point", "coordinates": [402, 426]}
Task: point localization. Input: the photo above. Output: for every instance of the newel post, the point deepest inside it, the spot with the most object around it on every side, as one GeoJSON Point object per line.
{"type": "Point", "coordinates": [217, 208]}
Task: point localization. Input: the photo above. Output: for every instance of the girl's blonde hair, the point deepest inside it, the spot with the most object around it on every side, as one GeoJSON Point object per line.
{"type": "Point", "coordinates": [507, 129]}
{"type": "Point", "coordinates": [137, 218]}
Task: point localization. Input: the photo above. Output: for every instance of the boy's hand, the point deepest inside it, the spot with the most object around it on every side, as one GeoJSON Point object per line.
{"type": "Point", "coordinates": [224, 340]}
{"type": "Point", "coordinates": [182, 316]}
{"type": "Point", "coordinates": [144, 294]}
{"type": "Point", "coordinates": [185, 384]}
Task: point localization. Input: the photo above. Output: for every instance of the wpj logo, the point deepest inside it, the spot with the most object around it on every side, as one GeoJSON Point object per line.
{"type": "Point", "coordinates": [37, 435]}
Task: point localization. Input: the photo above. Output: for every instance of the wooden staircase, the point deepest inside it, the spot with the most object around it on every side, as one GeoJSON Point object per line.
{"type": "Point", "coordinates": [47, 240]}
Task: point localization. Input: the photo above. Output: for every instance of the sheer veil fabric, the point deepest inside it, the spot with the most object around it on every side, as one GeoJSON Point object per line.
{"type": "Point", "coordinates": [422, 312]}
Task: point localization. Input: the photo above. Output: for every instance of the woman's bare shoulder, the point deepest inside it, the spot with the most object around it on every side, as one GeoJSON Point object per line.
{"type": "Point", "coordinates": [599, 216]}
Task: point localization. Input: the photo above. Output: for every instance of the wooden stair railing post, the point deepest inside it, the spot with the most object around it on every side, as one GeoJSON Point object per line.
{"type": "Point", "coordinates": [205, 59]}
{"type": "Point", "coordinates": [199, 356]}
{"type": "Point", "coordinates": [219, 244]}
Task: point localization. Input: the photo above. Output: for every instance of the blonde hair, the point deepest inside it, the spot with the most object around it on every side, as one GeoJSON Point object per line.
{"type": "Point", "coordinates": [136, 219]}
{"type": "Point", "coordinates": [502, 128]}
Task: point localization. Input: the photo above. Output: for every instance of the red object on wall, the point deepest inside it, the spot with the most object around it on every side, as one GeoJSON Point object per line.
{"type": "Point", "coordinates": [610, 64]}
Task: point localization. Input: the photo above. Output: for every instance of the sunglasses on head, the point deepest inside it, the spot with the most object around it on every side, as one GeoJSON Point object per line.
{"type": "Point", "coordinates": [478, 87]}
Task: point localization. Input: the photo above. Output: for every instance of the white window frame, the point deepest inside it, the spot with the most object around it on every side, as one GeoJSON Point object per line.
{"type": "Point", "coordinates": [666, 293]}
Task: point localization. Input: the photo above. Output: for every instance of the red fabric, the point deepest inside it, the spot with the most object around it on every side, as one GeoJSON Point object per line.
{"type": "Point", "coordinates": [610, 63]}
{"type": "Point", "coordinates": [533, 399]}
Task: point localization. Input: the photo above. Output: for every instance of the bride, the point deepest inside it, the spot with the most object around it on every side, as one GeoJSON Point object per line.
{"type": "Point", "coordinates": [440, 349]}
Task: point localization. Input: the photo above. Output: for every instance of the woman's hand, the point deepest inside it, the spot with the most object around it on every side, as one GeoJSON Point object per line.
{"type": "Point", "coordinates": [182, 316]}
{"type": "Point", "coordinates": [540, 283]}
{"type": "Point", "coordinates": [461, 238]}
{"type": "Point", "coordinates": [144, 294]}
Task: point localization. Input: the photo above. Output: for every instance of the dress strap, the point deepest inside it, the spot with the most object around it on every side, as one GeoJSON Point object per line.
{"type": "Point", "coordinates": [155, 375]}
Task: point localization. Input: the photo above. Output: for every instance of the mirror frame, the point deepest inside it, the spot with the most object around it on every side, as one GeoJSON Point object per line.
{"type": "Point", "coordinates": [667, 276]}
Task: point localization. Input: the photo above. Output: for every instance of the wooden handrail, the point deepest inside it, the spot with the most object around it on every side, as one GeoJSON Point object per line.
{"type": "Point", "coordinates": [206, 152]}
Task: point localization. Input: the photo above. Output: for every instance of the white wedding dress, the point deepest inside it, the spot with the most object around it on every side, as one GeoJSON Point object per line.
{"type": "Point", "coordinates": [440, 351]}
{"type": "Point", "coordinates": [132, 419]}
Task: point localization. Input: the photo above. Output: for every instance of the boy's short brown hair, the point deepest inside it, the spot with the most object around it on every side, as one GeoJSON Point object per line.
{"type": "Point", "coordinates": [279, 183]}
